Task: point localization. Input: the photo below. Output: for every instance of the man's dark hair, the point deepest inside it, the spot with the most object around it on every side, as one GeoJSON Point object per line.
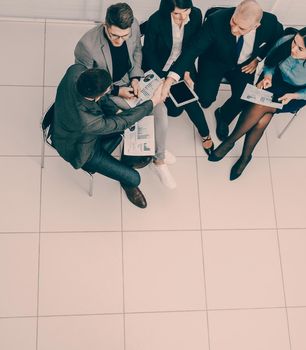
{"type": "Point", "coordinates": [119, 15]}
{"type": "Point", "coordinates": [283, 51]}
{"type": "Point", "coordinates": [93, 82]}
{"type": "Point", "coordinates": [167, 6]}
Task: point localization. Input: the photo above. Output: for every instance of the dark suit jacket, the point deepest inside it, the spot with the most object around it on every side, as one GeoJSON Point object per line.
{"type": "Point", "coordinates": [215, 42]}
{"type": "Point", "coordinates": [158, 40]}
{"type": "Point", "coordinates": [78, 123]}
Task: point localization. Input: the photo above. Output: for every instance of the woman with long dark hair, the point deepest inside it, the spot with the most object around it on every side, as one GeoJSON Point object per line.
{"type": "Point", "coordinates": [284, 75]}
{"type": "Point", "coordinates": [168, 33]}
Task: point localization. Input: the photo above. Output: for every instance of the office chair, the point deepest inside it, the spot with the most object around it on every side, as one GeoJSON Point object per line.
{"type": "Point", "coordinates": [109, 144]}
{"type": "Point", "coordinates": [46, 126]}
{"type": "Point", "coordinates": [294, 115]}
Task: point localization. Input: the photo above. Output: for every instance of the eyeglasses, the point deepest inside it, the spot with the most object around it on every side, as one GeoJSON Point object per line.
{"type": "Point", "coordinates": [117, 37]}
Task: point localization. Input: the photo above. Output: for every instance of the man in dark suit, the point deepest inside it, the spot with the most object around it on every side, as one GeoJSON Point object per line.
{"type": "Point", "coordinates": [231, 43]}
{"type": "Point", "coordinates": [85, 120]}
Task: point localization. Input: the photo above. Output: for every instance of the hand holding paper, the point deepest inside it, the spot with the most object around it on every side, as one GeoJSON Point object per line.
{"type": "Point", "coordinates": [255, 95]}
{"type": "Point", "coordinates": [287, 98]}
{"type": "Point", "coordinates": [265, 83]}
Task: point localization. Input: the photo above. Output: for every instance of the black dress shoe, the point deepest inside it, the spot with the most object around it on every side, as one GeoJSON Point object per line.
{"type": "Point", "coordinates": [214, 158]}
{"type": "Point", "coordinates": [239, 167]}
{"type": "Point", "coordinates": [136, 197]}
{"type": "Point", "coordinates": [136, 162]}
{"type": "Point", "coordinates": [222, 129]}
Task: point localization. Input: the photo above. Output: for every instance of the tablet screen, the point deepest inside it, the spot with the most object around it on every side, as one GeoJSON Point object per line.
{"type": "Point", "coordinates": [181, 93]}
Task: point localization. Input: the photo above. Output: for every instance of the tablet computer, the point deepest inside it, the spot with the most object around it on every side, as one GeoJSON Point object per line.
{"type": "Point", "coordinates": [181, 94]}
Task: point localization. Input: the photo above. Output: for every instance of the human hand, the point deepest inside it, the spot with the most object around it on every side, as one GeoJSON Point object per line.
{"type": "Point", "coordinates": [265, 83]}
{"type": "Point", "coordinates": [157, 95]}
{"type": "Point", "coordinates": [136, 87]}
{"type": "Point", "coordinates": [166, 87]}
{"type": "Point", "coordinates": [287, 98]}
{"type": "Point", "coordinates": [251, 67]}
{"type": "Point", "coordinates": [126, 92]}
{"type": "Point", "coordinates": [188, 80]}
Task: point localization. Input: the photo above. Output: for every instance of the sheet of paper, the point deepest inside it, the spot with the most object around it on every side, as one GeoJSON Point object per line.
{"type": "Point", "coordinates": [140, 141]}
{"type": "Point", "coordinates": [148, 85]}
{"type": "Point", "coordinates": [262, 97]}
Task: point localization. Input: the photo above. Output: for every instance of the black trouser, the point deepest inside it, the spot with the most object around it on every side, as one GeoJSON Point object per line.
{"type": "Point", "coordinates": [195, 113]}
{"type": "Point", "coordinates": [104, 163]}
{"type": "Point", "coordinates": [208, 82]}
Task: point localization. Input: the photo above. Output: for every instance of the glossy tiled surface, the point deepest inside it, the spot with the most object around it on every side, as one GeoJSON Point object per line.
{"type": "Point", "coordinates": [212, 265]}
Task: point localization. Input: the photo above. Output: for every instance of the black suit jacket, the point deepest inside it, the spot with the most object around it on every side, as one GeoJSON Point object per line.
{"type": "Point", "coordinates": [215, 42]}
{"type": "Point", "coordinates": [158, 40]}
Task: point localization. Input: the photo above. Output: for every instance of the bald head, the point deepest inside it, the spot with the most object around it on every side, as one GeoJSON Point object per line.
{"type": "Point", "coordinates": [249, 10]}
{"type": "Point", "coordinates": [246, 17]}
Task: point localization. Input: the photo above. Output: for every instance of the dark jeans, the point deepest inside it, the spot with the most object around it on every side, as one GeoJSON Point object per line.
{"type": "Point", "coordinates": [104, 163]}
{"type": "Point", "coordinates": [195, 113]}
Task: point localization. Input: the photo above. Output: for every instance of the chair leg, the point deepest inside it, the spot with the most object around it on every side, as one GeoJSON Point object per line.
{"type": "Point", "coordinates": [42, 156]}
{"type": "Point", "coordinates": [91, 184]}
{"type": "Point", "coordinates": [287, 126]}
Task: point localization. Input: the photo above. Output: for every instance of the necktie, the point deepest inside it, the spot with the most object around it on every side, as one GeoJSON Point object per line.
{"type": "Point", "coordinates": [239, 45]}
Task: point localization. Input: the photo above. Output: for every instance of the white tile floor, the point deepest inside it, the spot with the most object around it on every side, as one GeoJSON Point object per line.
{"type": "Point", "coordinates": [213, 265]}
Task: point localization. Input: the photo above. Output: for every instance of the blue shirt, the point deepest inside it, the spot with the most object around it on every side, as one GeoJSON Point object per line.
{"type": "Point", "coordinates": [293, 70]}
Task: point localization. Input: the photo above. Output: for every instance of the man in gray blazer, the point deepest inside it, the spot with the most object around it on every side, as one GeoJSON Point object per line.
{"type": "Point", "coordinates": [116, 47]}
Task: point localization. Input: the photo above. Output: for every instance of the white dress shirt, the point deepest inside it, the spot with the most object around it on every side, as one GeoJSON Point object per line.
{"type": "Point", "coordinates": [247, 48]}
{"type": "Point", "coordinates": [177, 39]}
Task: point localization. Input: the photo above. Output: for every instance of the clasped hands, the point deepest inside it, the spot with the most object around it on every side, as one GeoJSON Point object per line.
{"type": "Point", "coordinates": [130, 92]}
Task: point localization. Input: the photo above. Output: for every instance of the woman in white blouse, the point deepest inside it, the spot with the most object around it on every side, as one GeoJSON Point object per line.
{"type": "Point", "coordinates": [168, 33]}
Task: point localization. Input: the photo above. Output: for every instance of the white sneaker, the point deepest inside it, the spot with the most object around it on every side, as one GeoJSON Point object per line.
{"type": "Point", "coordinates": [169, 158]}
{"type": "Point", "coordinates": [164, 175]}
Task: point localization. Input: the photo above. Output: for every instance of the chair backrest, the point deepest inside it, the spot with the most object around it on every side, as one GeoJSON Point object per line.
{"type": "Point", "coordinates": [46, 123]}
{"type": "Point", "coordinates": [290, 30]}
{"type": "Point", "coordinates": [212, 10]}
{"type": "Point", "coordinates": [48, 118]}
{"type": "Point", "coordinates": [143, 28]}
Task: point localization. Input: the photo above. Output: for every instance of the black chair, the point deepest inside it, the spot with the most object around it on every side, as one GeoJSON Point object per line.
{"type": "Point", "coordinates": [143, 28]}
{"type": "Point", "coordinates": [212, 10]}
{"type": "Point", "coordinates": [294, 115]}
{"type": "Point", "coordinates": [289, 31]}
{"type": "Point", "coordinates": [209, 12]}
{"type": "Point", "coordinates": [109, 145]}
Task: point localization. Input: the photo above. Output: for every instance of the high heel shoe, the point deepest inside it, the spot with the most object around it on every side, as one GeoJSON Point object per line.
{"type": "Point", "coordinates": [239, 167]}
{"type": "Point", "coordinates": [207, 140]}
{"type": "Point", "coordinates": [214, 158]}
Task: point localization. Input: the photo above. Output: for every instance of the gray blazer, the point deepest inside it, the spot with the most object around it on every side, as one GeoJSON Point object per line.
{"type": "Point", "coordinates": [78, 123]}
{"type": "Point", "coordinates": [93, 52]}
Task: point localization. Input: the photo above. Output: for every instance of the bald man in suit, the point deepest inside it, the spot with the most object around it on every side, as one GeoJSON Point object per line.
{"type": "Point", "coordinates": [230, 44]}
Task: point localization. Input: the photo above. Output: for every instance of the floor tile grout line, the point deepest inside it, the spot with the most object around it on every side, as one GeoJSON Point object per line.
{"type": "Point", "coordinates": [278, 242]}
{"type": "Point", "coordinates": [122, 262]}
{"type": "Point", "coordinates": [146, 312]}
{"type": "Point", "coordinates": [28, 86]}
{"type": "Point", "coordinates": [157, 230]}
{"type": "Point", "coordinates": [202, 244]}
{"type": "Point", "coordinates": [160, 230]}
{"type": "Point", "coordinates": [177, 156]}
{"type": "Point", "coordinates": [40, 199]}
